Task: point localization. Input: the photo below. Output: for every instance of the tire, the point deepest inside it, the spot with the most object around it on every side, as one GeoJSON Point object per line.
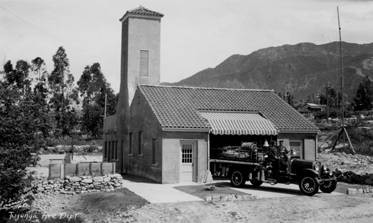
{"type": "Point", "coordinates": [237, 179]}
{"type": "Point", "coordinates": [328, 186]}
{"type": "Point", "coordinates": [255, 182]}
{"type": "Point", "coordinates": [308, 186]}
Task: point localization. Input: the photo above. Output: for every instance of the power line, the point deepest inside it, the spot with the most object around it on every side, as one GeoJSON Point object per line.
{"type": "Point", "coordinates": [20, 18]}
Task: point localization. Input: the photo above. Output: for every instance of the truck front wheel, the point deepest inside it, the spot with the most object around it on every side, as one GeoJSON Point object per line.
{"type": "Point", "coordinates": [237, 179]}
{"type": "Point", "coordinates": [329, 186]}
{"type": "Point", "coordinates": [308, 185]}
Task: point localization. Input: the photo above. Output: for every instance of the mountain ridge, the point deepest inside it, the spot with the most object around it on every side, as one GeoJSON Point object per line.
{"type": "Point", "coordinates": [302, 69]}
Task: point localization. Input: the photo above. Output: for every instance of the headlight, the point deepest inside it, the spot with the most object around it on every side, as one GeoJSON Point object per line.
{"type": "Point", "coordinates": [317, 166]}
{"type": "Point", "coordinates": [325, 168]}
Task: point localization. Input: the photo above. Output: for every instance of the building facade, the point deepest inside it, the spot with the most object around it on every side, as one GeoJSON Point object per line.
{"type": "Point", "coordinates": [168, 133]}
{"type": "Point", "coordinates": [173, 130]}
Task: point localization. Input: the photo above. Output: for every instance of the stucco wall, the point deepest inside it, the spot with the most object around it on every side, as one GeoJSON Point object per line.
{"type": "Point", "coordinates": [143, 34]}
{"type": "Point", "coordinates": [308, 140]}
{"type": "Point", "coordinates": [171, 157]}
{"type": "Point", "coordinates": [171, 154]}
{"type": "Point", "coordinates": [143, 119]}
{"type": "Point", "coordinates": [202, 158]}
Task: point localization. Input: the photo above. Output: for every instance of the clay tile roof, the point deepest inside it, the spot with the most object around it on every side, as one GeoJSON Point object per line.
{"type": "Point", "coordinates": [181, 107]}
{"type": "Point", "coordinates": [141, 11]}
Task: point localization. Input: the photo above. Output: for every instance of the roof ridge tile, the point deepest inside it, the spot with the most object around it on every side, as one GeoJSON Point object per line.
{"type": "Point", "coordinates": [209, 88]}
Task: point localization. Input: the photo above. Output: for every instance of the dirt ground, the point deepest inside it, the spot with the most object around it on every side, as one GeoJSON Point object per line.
{"type": "Point", "coordinates": [295, 209]}
{"type": "Point", "coordinates": [124, 206]}
{"type": "Point", "coordinates": [93, 207]}
{"type": "Point", "coordinates": [319, 208]}
{"type": "Point", "coordinates": [357, 163]}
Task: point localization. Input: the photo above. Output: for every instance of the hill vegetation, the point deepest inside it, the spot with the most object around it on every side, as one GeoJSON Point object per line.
{"type": "Point", "coordinates": [303, 69]}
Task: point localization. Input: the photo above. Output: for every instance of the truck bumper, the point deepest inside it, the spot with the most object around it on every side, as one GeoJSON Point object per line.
{"type": "Point", "coordinates": [324, 180]}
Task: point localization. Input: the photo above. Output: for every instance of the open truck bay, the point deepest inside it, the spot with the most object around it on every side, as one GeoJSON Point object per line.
{"type": "Point", "coordinates": [258, 165]}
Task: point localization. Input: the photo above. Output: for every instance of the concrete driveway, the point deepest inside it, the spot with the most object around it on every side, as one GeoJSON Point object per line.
{"type": "Point", "coordinates": [158, 193]}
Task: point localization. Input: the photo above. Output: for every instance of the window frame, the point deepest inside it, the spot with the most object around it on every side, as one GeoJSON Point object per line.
{"type": "Point", "coordinates": [130, 141]}
{"type": "Point", "coordinates": [144, 64]}
{"type": "Point", "coordinates": [301, 146]}
{"type": "Point", "coordinates": [105, 151]}
{"type": "Point", "coordinates": [154, 150]}
{"type": "Point", "coordinates": [140, 142]}
{"type": "Point", "coordinates": [108, 150]}
{"type": "Point", "coordinates": [187, 157]}
{"type": "Point", "coordinates": [116, 150]}
{"type": "Point", "coordinates": [112, 150]}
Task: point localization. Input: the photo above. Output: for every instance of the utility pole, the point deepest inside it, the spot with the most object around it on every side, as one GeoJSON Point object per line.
{"type": "Point", "coordinates": [105, 104]}
{"type": "Point", "coordinates": [343, 132]}
{"type": "Point", "coordinates": [341, 69]}
{"type": "Point", "coordinates": [327, 102]}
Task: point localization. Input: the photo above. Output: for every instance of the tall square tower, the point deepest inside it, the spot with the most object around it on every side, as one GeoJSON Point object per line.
{"type": "Point", "coordinates": [140, 54]}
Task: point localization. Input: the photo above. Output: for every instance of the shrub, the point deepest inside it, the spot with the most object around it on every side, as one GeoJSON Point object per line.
{"type": "Point", "coordinates": [362, 139]}
{"type": "Point", "coordinates": [20, 121]}
{"type": "Point", "coordinates": [91, 149]}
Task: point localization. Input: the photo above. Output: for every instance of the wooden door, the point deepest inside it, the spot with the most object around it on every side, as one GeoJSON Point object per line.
{"type": "Point", "coordinates": [309, 149]}
{"type": "Point", "coordinates": [186, 162]}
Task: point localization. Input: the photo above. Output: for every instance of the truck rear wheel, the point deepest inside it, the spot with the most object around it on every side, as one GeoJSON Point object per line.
{"type": "Point", "coordinates": [237, 179]}
{"type": "Point", "coordinates": [308, 185]}
{"type": "Point", "coordinates": [329, 186]}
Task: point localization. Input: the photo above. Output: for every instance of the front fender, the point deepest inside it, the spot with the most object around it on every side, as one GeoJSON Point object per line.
{"type": "Point", "coordinates": [307, 172]}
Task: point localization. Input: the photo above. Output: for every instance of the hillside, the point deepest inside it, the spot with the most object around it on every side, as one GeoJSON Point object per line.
{"type": "Point", "coordinates": [302, 69]}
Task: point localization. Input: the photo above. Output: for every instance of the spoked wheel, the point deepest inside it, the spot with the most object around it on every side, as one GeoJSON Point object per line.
{"type": "Point", "coordinates": [237, 179]}
{"type": "Point", "coordinates": [328, 186]}
{"type": "Point", "coordinates": [308, 186]}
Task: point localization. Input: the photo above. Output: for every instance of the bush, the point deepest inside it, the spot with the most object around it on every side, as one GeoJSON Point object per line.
{"type": "Point", "coordinates": [362, 139]}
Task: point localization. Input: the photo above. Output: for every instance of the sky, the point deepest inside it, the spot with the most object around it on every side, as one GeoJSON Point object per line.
{"type": "Point", "coordinates": [195, 34]}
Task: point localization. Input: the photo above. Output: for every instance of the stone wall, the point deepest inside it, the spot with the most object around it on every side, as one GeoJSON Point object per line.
{"type": "Point", "coordinates": [61, 170]}
{"type": "Point", "coordinates": [79, 184]}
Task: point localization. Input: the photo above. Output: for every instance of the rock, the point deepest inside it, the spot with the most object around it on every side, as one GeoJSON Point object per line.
{"type": "Point", "coordinates": [40, 189]}
{"type": "Point", "coordinates": [87, 181]}
{"type": "Point", "coordinates": [116, 175]}
{"type": "Point", "coordinates": [98, 179]}
{"type": "Point", "coordinates": [215, 197]}
{"type": "Point", "coordinates": [351, 191]}
{"type": "Point", "coordinates": [208, 198]}
{"type": "Point", "coordinates": [75, 179]}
